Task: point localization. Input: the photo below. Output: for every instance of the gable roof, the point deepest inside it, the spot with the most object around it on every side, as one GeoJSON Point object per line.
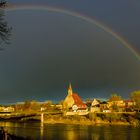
{"type": "Point", "coordinates": [126, 101]}
{"type": "Point", "coordinates": [95, 102]}
{"type": "Point", "coordinates": [78, 101]}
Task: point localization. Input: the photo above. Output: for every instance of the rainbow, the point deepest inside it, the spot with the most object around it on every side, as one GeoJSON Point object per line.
{"type": "Point", "coordinates": [81, 16]}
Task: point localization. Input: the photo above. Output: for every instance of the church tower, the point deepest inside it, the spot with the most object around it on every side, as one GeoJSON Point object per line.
{"type": "Point", "coordinates": [70, 90]}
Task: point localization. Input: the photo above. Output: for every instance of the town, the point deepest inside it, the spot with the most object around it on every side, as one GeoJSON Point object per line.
{"type": "Point", "coordinates": [73, 109]}
{"type": "Point", "coordinates": [73, 104]}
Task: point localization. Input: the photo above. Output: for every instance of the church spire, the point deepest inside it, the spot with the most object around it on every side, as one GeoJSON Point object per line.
{"type": "Point", "coordinates": [70, 89]}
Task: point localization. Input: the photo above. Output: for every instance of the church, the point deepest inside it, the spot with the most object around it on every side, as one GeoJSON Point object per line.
{"type": "Point", "coordinates": [73, 102]}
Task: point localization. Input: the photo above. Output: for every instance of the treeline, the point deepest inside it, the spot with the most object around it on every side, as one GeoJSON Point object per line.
{"type": "Point", "coordinates": [33, 106]}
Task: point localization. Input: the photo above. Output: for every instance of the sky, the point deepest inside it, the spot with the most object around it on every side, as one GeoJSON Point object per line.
{"type": "Point", "coordinates": [49, 49]}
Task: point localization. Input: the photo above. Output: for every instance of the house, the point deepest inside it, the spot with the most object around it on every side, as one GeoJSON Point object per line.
{"type": "Point", "coordinates": [7, 109]}
{"type": "Point", "coordinates": [119, 103]}
{"type": "Point", "coordinates": [73, 102]}
{"type": "Point", "coordinates": [104, 106]}
{"type": "Point", "coordinates": [95, 106]}
{"type": "Point", "coordinates": [116, 105]}
{"type": "Point", "coordinates": [129, 105]}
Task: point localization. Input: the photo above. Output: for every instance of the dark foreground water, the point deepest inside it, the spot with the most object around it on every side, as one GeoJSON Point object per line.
{"type": "Point", "coordinates": [37, 131]}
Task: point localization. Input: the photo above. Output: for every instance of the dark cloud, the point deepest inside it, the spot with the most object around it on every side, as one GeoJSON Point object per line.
{"type": "Point", "coordinates": [50, 49]}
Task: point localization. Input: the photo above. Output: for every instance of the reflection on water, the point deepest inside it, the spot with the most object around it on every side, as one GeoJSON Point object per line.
{"type": "Point", "coordinates": [41, 130]}
{"type": "Point", "coordinates": [38, 131]}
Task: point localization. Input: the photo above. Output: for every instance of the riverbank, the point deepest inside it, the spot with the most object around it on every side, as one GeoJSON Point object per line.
{"type": "Point", "coordinates": [83, 122]}
{"type": "Point", "coordinates": [87, 122]}
{"type": "Point", "coordinates": [93, 119]}
{"type": "Point", "coordinates": [114, 118]}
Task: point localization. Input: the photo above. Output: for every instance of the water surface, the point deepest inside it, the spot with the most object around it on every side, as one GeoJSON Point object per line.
{"type": "Point", "coordinates": [38, 131]}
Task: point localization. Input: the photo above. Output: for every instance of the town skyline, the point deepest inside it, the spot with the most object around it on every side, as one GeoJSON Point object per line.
{"type": "Point", "coordinates": [61, 98]}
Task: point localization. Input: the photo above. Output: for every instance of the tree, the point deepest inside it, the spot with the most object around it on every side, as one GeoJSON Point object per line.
{"type": "Point", "coordinates": [61, 102]}
{"type": "Point", "coordinates": [115, 97]}
{"type": "Point", "coordinates": [115, 107]}
{"type": "Point", "coordinates": [114, 101]}
{"type": "Point", "coordinates": [48, 105]}
{"type": "Point", "coordinates": [89, 102]}
{"type": "Point", "coordinates": [135, 96]}
{"type": "Point", "coordinates": [31, 106]}
{"type": "Point", "coordinates": [27, 105]}
{"type": "Point", "coordinates": [2, 3]}
{"type": "Point", "coordinates": [5, 30]}
{"type": "Point", "coordinates": [19, 107]}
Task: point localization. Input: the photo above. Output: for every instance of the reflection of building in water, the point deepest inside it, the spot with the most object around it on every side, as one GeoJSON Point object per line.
{"type": "Point", "coordinates": [73, 102]}
{"type": "Point", "coordinates": [95, 136]}
{"type": "Point", "coordinates": [76, 132]}
{"type": "Point", "coordinates": [41, 131]}
{"type": "Point", "coordinates": [71, 135]}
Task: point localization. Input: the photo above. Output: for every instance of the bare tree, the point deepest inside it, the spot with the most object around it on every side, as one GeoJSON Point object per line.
{"type": "Point", "coordinates": [2, 3]}
{"type": "Point", "coordinates": [5, 30]}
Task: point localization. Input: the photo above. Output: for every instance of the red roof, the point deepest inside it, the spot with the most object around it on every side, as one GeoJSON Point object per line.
{"type": "Point", "coordinates": [128, 101]}
{"type": "Point", "coordinates": [78, 101]}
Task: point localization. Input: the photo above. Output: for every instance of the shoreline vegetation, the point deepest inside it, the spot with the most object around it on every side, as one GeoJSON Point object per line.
{"type": "Point", "coordinates": [95, 119]}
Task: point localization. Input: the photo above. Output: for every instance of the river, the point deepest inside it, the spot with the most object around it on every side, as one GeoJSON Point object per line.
{"type": "Point", "coordinates": [38, 131]}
